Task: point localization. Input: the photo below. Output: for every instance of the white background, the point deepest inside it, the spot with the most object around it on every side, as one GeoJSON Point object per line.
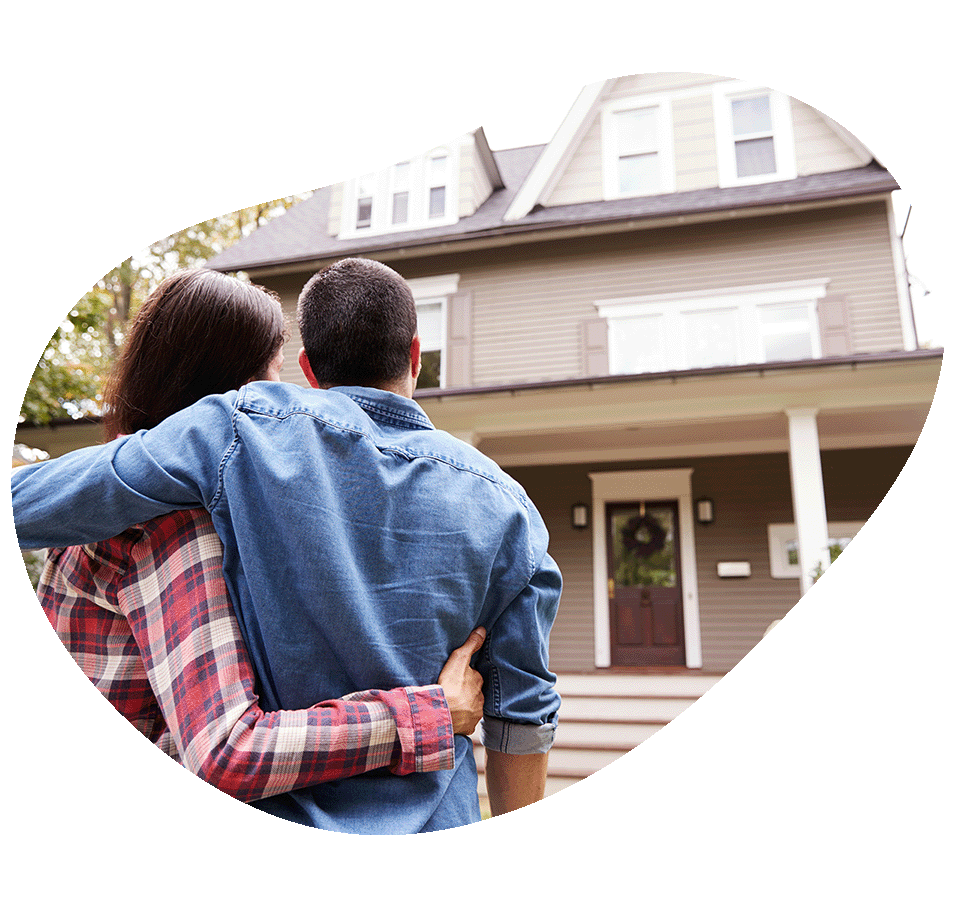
{"type": "Point", "coordinates": [820, 765]}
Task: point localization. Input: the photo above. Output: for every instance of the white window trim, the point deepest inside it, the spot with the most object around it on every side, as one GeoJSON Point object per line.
{"type": "Point", "coordinates": [780, 533]}
{"type": "Point", "coordinates": [418, 193]}
{"type": "Point", "coordinates": [723, 93]}
{"type": "Point", "coordinates": [747, 300]}
{"type": "Point", "coordinates": [654, 484]}
{"type": "Point", "coordinates": [667, 177]}
{"type": "Point", "coordinates": [436, 289]}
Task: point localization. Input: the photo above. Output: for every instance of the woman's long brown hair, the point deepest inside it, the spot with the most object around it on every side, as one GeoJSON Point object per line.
{"type": "Point", "coordinates": [199, 332]}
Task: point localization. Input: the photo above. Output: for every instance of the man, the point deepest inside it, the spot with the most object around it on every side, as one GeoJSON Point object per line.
{"type": "Point", "coordinates": [354, 533]}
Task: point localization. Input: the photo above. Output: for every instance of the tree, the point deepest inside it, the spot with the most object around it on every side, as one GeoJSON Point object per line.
{"type": "Point", "coordinates": [70, 375]}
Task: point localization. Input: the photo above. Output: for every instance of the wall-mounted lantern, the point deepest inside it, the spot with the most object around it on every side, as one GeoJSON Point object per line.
{"type": "Point", "coordinates": [580, 515]}
{"type": "Point", "coordinates": [705, 511]}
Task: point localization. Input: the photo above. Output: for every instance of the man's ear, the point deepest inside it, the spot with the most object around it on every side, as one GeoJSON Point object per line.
{"type": "Point", "coordinates": [415, 357]}
{"type": "Point", "coordinates": [306, 368]}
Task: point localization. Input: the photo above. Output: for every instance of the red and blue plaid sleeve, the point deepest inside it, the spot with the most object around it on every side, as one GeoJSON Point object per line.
{"type": "Point", "coordinates": [156, 632]}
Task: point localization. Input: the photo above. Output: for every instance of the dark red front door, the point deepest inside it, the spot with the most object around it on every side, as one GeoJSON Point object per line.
{"type": "Point", "coordinates": [644, 587]}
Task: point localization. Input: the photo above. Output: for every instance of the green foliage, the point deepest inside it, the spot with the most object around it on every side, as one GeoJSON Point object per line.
{"type": "Point", "coordinates": [68, 378]}
{"type": "Point", "coordinates": [70, 375]}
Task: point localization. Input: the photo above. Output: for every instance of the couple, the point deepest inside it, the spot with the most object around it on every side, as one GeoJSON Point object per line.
{"type": "Point", "coordinates": [359, 545]}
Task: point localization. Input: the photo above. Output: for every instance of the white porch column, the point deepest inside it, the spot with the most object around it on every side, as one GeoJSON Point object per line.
{"type": "Point", "coordinates": [808, 494]}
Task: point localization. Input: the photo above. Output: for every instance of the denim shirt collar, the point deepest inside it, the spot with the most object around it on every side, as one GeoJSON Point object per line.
{"type": "Point", "coordinates": [388, 408]}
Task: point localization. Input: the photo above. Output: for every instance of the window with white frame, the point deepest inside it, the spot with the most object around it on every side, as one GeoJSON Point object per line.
{"type": "Point", "coordinates": [364, 202]}
{"type": "Point", "coordinates": [671, 332]}
{"type": "Point", "coordinates": [436, 186]}
{"type": "Point", "coordinates": [420, 192]}
{"type": "Point", "coordinates": [637, 147]}
{"type": "Point", "coordinates": [431, 297]}
{"type": "Point", "coordinates": [754, 140]}
{"type": "Point", "coordinates": [783, 545]}
{"type": "Point", "coordinates": [400, 192]}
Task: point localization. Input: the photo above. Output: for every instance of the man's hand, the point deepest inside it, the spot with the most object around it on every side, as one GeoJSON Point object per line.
{"type": "Point", "coordinates": [463, 686]}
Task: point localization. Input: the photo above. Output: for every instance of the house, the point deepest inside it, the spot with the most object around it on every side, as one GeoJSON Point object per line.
{"type": "Point", "coordinates": [684, 326]}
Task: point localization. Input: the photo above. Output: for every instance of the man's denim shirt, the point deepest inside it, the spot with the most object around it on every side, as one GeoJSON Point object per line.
{"type": "Point", "coordinates": [361, 547]}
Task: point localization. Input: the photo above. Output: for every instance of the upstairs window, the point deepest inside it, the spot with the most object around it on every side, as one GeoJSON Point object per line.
{"type": "Point", "coordinates": [420, 192]}
{"type": "Point", "coordinates": [754, 141]}
{"type": "Point", "coordinates": [400, 193]}
{"type": "Point", "coordinates": [365, 201]}
{"type": "Point", "coordinates": [676, 332]}
{"type": "Point", "coordinates": [430, 328]}
{"type": "Point", "coordinates": [752, 136]}
{"type": "Point", "coordinates": [637, 147]}
{"type": "Point", "coordinates": [436, 186]}
{"type": "Point", "coordinates": [431, 296]}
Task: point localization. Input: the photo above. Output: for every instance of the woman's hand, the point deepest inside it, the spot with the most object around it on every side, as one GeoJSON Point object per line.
{"type": "Point", "coordinates": [463, 686]}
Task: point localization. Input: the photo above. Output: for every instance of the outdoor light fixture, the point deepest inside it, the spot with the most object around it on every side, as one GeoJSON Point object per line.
{"type": "Point", "coordinates": [580, 515]}
{"type": "Point", "coordinates": [705, 512]}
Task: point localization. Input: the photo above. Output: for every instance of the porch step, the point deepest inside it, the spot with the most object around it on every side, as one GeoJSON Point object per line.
{"type": "Point", "coordinates": [603, 717]}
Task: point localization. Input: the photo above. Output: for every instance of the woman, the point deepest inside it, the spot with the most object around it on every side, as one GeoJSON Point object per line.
{"type": "Point", "coordinates": [146, 614]}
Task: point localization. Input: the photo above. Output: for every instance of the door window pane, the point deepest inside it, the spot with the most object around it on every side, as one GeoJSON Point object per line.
{"type": "Point", "coordinates": [644, 550]}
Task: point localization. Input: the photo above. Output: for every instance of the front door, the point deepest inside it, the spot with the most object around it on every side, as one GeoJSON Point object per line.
{"type": "Point", "coordinates": [644, 587]}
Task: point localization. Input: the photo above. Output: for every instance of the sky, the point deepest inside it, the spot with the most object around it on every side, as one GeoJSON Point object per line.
{"type": "Point", "coordinates": [819, 766]}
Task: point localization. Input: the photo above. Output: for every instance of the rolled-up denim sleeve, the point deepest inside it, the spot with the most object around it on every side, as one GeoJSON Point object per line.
{"type": "Point", "coordinates": [97, 492]}
{"type": "Point", "coordinates": [520, 697]}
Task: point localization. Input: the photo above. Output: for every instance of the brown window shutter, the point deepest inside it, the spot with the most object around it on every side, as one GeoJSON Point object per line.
{"type": "Point", "coordinates": [459, 340]}
{"type": "Point", "coordinates": [833, 326]}
{"type": "Point", "coordinates": [594, 339]}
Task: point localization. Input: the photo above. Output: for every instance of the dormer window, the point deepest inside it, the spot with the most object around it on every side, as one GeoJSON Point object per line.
{"type": "Point", "coordinates": [754, 140]}
{"type": "Point", "coordinates": [752, 136]}
{"type": "Point", "coordinates": [400, 193]}
{"type": "Point", "coordinates": [436, 186]}
{"type": "Point", "coordinates": [365, 201]}
{"type": "Point", "coordinates": [637, 147]}
{"type": "Point", "coordinates": [421, 192]}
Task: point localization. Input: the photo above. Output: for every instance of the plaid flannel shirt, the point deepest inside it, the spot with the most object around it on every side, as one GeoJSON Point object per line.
{"type": "Point", "coordinates": [147, 617]}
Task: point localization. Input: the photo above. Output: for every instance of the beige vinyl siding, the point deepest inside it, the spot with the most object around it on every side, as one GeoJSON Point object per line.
{"type": "Point", "coordinates": [474, 185]}
{"type": "Point", "coordinates": [582, 180]}
{"type": "Point", "coordinates": [335, 209]}
{"type": "Point", "coordinates": [749, 493]}
{"type": "Point", "coordinates": [288, 287]}
{"type": "Point", "coordinates": [529, 301]}
{"type": "Point", "coordinates": [817, 147]}
{"type": "Point", "coordinates": [694, 144]}
{"type": "Point", "coordinates": [694, 149]}
{"type": "Point", "coordinates": [657, 82]}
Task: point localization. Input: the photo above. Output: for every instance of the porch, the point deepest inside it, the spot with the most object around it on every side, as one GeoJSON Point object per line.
{"type": "Point", "coordinates": [604, 716]}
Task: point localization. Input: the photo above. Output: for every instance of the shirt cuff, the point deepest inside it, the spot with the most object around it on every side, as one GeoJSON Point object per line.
{"type": "Point", "coordinates": [427, 740]}
{"type": "Point", "coordinates": [517, 738]}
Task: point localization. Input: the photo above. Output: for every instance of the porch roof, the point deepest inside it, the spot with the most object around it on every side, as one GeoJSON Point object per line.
{"type": "Point", "coordinates": [870, 400]}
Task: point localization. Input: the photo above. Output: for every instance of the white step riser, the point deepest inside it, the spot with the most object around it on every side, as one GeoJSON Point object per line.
{"type": "Point", "coordinates": [622, 709]}
{"type": "Point", "coordinates": [574, 760]}
{"type": "Point", "coordinates": [623, 734]}
{"type": "Point", "coordinates": [636, 685]}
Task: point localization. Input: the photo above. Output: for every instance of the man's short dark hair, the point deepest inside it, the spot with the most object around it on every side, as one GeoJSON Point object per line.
{"type": "Point", "coordinates": [357, 320]}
